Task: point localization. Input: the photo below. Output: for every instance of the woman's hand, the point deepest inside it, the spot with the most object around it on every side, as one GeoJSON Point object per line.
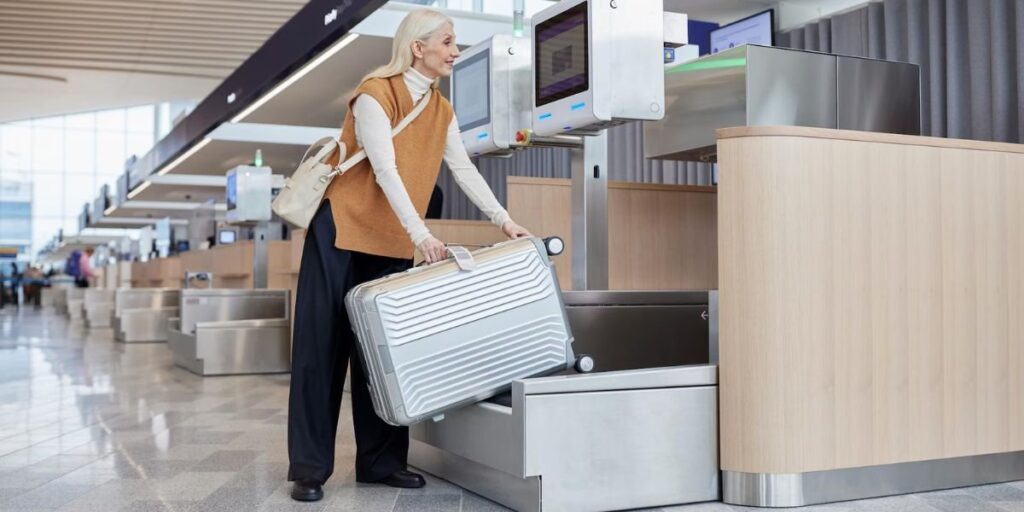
{"type": "Point", "coordinates": [513, 230]}
{"type": "Point", "coordinates": [433, 250]}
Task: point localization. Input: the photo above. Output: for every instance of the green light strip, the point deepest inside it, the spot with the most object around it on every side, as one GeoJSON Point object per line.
{"type": "Point", "coordinates": [704, 64]}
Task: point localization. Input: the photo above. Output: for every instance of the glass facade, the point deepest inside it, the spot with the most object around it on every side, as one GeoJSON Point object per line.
{"type": "Point", "coordinates": [50, 167]}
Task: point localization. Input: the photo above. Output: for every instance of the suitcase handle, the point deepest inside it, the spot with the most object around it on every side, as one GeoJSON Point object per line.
{"type": "Point", "coordinates": [463, 258]}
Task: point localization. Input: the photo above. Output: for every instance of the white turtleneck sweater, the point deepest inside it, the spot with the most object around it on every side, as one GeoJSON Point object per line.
{"type": "Point", "coordinates": [373, 133]}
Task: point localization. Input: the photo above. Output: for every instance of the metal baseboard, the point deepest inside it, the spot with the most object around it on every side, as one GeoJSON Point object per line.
{"type": "Point", "coordinates": [522, 494]}
{"type": "Point", "coordinates": [812, 488]}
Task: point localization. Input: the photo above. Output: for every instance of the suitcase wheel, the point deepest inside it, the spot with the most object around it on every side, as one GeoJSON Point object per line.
{"type": "Point", "coordinates": [554, 245]}
{"type": "Point", "coordinates": [584, 364]}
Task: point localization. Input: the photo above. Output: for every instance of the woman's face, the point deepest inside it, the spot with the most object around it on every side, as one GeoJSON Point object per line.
{"type": "Point", "coordinates": [435, 56]}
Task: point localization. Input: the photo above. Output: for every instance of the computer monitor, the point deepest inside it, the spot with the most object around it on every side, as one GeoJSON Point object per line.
{"type": "Point", "coordinates": [491, 94]}
{"type": "Point", "coordinates": [471, 90]}
{"type": "Point", "coordinates": [597, 64]}
{"type": "Point", "coordinates": [757, 29]}
{"type": "Point", "coordinates": [227, 236]}
{"type": "Point", "coordinates": [562, 51]}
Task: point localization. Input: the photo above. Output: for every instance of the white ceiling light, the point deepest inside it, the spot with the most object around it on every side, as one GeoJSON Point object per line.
{"type": "Point", "coordinates": [138, 190]}
{"type": "Point", "coordinates": [310, 66]}
{"type": "Point", "coordinates": [167, 168]}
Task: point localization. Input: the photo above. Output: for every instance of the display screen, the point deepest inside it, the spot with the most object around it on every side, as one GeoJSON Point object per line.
{"type": "Point", "coordinates": [757, 29]}
{"type": "Point", "coordinates": [227, 236]}
{"type": "Point", "coordinates": [231, 194]}
{"type": "Point", "coordinates": [562, 61]}
{"type": "Point", "coordinates": [472, 92]}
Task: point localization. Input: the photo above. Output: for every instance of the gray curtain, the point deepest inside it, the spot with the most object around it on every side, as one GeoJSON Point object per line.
{"type": "Point", "coordinates": [627, 163]}
{"type": "Point", "coordinates": [971, 54]}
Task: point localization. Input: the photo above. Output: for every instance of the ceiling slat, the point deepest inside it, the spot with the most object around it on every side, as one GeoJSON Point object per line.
{"type": "Point", "coordinates": [270, 11]}
{"type": "Point", "coordinates": [117, 68]}
{"type": "Point", "coordinates": [148, 17]}
{"type": "Point", "coordinates": [139, 54]}
{"type": "Point", "coordinates": [138, 37]}
{"type": "Point", "coordinates": [33, 38]}
{"type": "Point", "coordinates": [231, 55]}
{"type": "Point", "coordinates": [52, 26]}
{"type": "Point", "coordinates": [12, 56]}
{"type": "Point", "coordinates": [119, 22]}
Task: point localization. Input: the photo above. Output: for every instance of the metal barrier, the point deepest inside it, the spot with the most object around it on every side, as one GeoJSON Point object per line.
{"type": "Point", "coordinates": [231, 332]}
{"type": "Point", "coordinates": [98, 307]}
{"type": "Point", "coordinates": [141, 315]}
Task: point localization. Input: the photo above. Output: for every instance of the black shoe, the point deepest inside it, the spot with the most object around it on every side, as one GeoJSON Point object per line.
{"type": "Point", "coordinates": [403, 479]}
{"type": "Point", "coordinates": [307, 491]}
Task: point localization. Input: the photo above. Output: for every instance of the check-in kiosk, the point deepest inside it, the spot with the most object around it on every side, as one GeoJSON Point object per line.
{"type": "Point", "coordinates": [641, 430]}
{"type": "Point", "coordinates": [230, 332]}
{"type": "Point", "coordinates": [490, 94]}
{"type": "Point", "coordinates": [233, 331]}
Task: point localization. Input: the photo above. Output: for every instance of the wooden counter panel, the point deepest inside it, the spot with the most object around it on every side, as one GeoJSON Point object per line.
{"type": "Point", "coordinates": [871, 302]}
{"type": "Point", "coordinates": [279, 265]}
{"type": "Point", "coordinates": [198, 260]}
{"type": "Point", "coordinates": [661, 237]}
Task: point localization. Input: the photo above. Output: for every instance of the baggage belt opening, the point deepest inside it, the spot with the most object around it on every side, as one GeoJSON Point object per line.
{"type": "Point", "coordinates": [581, 441]}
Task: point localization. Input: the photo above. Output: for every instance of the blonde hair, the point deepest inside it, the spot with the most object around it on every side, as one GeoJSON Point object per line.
{"type": "Point", "coordinates": [418, 25]}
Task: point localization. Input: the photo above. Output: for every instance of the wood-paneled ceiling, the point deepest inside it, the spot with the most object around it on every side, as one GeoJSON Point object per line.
{"type": "Point", "coordinates": [59, 56]}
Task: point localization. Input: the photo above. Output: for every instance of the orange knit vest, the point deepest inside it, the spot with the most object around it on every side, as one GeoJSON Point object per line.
{"type": "Point", "coordinates": [363, 218]}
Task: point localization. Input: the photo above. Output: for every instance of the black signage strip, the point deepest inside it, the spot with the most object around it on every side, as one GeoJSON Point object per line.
{"type": "Point", "coordinates": [314, 28]}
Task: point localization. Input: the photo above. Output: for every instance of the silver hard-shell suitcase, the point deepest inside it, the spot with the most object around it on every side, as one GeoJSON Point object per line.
{"type": "Point", "coordinates": [446, 335]}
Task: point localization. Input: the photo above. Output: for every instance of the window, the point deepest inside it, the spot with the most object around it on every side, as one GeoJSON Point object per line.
{"type": "Point", "coordinates": [51, 167]}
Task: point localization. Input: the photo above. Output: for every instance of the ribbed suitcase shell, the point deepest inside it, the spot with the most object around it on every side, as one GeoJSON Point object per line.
{"type": "Point", "coordinates": [437, 338]}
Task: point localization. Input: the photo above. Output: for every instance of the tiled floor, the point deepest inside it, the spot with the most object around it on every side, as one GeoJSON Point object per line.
{"type": "Point", "coordinates": [90, 425]}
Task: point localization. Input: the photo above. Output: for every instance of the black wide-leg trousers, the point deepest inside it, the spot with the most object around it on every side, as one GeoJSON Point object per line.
{"type": "Point", "coordinates": [322, 345]}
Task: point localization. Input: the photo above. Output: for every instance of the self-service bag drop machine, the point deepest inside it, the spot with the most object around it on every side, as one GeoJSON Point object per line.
{"type": "Point", "coordinates": [641, 431]}
{"type": "Point", "coordinates": [243, 331]}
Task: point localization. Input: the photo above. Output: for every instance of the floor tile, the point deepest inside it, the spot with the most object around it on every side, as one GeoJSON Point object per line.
{"type": "Point", "coordinates": [962, 503]}
{"type": "Point", "coordinates": [47, 496]}
{"type": "Point", "coordinates": [358, 498]}
{"type": "Point", "coordinates": [428, 503]}
{"type": "Point", "coordinates": [473, 503]}
{"type": "Point", "coordinates": [90, 425]}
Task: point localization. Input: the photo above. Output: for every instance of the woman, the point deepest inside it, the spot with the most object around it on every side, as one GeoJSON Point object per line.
{"type": "Point", "coordinates": [368, 227]}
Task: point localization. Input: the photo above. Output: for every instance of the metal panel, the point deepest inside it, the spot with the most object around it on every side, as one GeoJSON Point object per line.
{"type": "Point", "coordinates": [233, 347]}
{"type": "Point", "coordinates": [790, 88]}
{"type": "Point", "coordinates": [878, 96]}
{"type": "Point", "coordinates": [143, 325]}
{"type": "Point", "coordinates": [758, 86]}
{"type": "Point", "coordinates": [800, 489]}
{"type": "Point", "coordinates": [97, 315]}
{"type": "Point", "coordinates": [625, 330]}
{"type": "Point", "coordinates": [654, 378]}
{"type": "Point", "coordinates": [219, 305]}
{"type": "Point", "coordinates": [145, 298]}
{"type": "Point", "coordinates": [654, 447]}
{"type": "Point", "coordinates": [521, 494]}
{"type": "Point", "coordinates": [590, 214]}
{"type": "Point", "coordinates": [698, 100]}
{"type": "Point", "coordinates": [484, 433]}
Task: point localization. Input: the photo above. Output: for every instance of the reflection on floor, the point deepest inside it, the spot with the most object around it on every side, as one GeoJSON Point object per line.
{"type": "Point", "coordinates": [92, 425]}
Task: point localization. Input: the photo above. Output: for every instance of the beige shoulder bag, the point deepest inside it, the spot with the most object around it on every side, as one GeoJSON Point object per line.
{"type": "Point", "coordinates": [304, 190]}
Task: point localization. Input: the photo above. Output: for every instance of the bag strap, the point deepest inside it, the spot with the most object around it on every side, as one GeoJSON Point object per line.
{"type": "Point", "coordinates": [358, 157]}
{"type": "Point", "coordinates": [328, 143]}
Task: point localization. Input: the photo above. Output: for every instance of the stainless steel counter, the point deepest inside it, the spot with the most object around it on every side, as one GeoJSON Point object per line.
{"type": "Point", "coordinates": [756, 86]}
{"type": "Point", "coordinates": [231, 332]}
